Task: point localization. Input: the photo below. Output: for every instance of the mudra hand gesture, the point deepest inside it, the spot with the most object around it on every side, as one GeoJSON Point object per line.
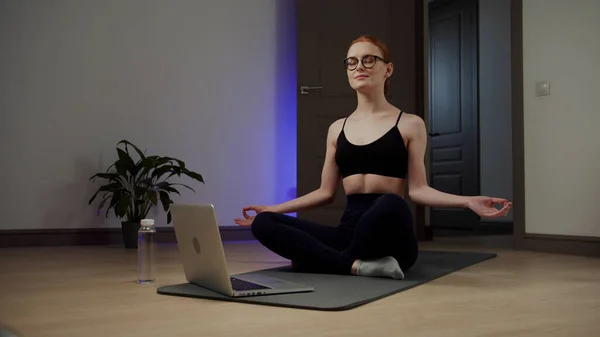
{"type": "Point", "coordinates": [485, 206]}
{"type": "Point", "coordinates": [247, 220]}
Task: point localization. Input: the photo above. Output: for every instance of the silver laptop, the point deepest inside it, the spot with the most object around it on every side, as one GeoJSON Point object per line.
{"type": "Point", "coordinates": [203, 258]}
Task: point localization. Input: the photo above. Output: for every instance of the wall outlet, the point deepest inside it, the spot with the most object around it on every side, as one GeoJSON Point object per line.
{"type": "Point", "coordinates": [542, 88]}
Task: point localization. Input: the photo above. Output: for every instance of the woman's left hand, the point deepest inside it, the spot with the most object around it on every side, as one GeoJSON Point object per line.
{"type": "Point", "coordinates": [485, 206]}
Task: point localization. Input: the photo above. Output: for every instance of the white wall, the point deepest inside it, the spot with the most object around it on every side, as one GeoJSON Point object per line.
{"type": "Point", "coordinates": [495, 121]}
{"type": "Point", "coordinates": [562, 144]}
{"type": "Point", "coordinates": [209, 82]}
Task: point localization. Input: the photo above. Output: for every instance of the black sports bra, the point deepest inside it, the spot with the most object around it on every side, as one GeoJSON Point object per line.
{"type": "Point", "coordinates": [386, 156]}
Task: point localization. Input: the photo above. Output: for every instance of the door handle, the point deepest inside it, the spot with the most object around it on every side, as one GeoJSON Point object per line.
{"type": "Point", "coordinates": [304, 89]}
{"type": "Point", "coordinates": [434, 134]}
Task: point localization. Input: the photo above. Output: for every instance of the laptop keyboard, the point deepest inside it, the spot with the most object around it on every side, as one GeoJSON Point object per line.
{"type": "Point", "coordinates": [241, 285]}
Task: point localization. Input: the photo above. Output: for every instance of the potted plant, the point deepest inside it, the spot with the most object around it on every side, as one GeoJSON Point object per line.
{"type": "Point", "coordinates": [133, 187]}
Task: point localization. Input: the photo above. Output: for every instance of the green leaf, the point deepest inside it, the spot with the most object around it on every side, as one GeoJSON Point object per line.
{"type": "Point", "coordinates": [153, 197]}
{"type": "Point", "coordinates": [162, 162]}
{"type": "Point", "coordinates": [145, 182]}
{"type": "Point", "coordinates": [184, 185]}
{"type": "Point", "coordinates": [175, 170]}
{"type": "Point", "coordinates": [166, 186]}
{"type": "Point", "coordinates": [165, 200]}
{"type": "Point", "coordinates": [151, 163]}
{"type": "Point", "coordinates": [141, 190]}
{"type": "Point", "coordinates": [121, 167]}
{"type": "Point", "coordinates": [127, 162]}
{"type": "Point", "coordinates": [124, 205]}
{"type": "Point", "coordinates": [148, 163]}
{"type": "Point", "coordinates": [159, 172]}
{"type": "Point", "coordinates": [113, 202]}
{"type": "Point", "coordinates": [106, 188]}
{"type": "Point", "coordinates": [171, 189]}
{"type": "Point", "coordinates": [103, 202]}
{"type": "Point", "coordinates": [194, 175]}
{"type": "Point", "coordinates": [128, 143]}
{"type": "Point", "coordinates": [108, 176]}
{"type": "Point", "coordinates": [180, 162]}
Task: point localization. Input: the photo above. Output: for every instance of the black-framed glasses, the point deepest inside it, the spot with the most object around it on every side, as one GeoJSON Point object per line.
{"type": "Point", "coordinates": [368, 61]}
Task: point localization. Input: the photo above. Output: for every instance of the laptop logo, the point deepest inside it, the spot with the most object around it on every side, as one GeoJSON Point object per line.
{"type": "Point", "coordinates": [196, 245]}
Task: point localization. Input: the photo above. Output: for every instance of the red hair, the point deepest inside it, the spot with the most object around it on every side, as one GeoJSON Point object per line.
{"type": "Point", "coordinates": [382, 47]}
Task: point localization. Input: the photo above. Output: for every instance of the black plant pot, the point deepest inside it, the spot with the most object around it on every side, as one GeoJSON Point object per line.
{"type": "Point", "coordinates": [130, 234]}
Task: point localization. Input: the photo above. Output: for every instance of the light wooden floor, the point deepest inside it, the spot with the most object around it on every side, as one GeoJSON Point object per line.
{"type": "Point", "coordinates": [90, 291]}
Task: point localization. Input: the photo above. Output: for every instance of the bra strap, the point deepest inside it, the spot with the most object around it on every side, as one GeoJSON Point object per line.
{"type": "Point", "coordinates": [400, 115]}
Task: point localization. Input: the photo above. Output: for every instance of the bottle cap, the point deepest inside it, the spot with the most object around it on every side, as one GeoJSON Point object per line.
{"type": "Point", "coordinates": [147, 222]}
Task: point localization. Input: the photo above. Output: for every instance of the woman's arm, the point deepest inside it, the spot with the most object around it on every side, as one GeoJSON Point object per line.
{"type": "Point", "coordinates": [419, 190]}
{"type": "Point", "coordinates": [330, 178]}
{"type": "Point", "coordinates": [421, 193]}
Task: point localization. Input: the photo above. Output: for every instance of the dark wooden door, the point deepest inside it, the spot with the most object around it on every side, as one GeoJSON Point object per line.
{"type": "Point", "coordinates": [453, 107]}
{"type": "Point", "coordinates": [325, 30]}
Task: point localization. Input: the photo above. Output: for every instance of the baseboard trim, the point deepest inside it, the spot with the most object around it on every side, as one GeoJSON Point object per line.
{"type": "Point", "coordinates": [559, 244]}
{"type": "Point", "coordinates": [98, 236]}
{"type": "Point", "coordinates": [494, 227]}
{"type": "Point", "coordinates": [575, 238]}
{"type": "Point", "coordinates": [482, 228]}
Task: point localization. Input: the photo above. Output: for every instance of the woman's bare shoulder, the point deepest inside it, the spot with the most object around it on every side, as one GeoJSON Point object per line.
{"type": "Point", "coordinates": [412, 120]}
{"type": "Point", "coordinates": [335, 128]}
{"type": "Point", "coordinates": [411, 124]}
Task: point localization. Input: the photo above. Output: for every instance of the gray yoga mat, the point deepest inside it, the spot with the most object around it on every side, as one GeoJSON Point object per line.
{"type": "Point", "coordinates": [340, 292]}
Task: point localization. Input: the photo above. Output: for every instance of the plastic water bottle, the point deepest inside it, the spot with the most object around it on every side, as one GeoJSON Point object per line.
{"type": "Point", "coordinates": [146, 251]}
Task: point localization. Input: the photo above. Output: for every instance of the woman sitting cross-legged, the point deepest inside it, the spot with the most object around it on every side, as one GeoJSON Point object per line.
{"type": "Point", "coordinates": [376, 150]}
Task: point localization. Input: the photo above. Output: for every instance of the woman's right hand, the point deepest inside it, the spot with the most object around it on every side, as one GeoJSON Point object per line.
{"type": "Point", "coordinates": [247, 220]}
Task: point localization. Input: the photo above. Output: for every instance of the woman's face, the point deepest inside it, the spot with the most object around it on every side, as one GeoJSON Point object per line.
{"type": "Point", "coordinates": [366, 68]}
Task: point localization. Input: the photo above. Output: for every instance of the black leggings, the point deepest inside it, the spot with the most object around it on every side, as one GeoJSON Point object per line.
{"type": "Point", "coordinates": [372, 226]}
